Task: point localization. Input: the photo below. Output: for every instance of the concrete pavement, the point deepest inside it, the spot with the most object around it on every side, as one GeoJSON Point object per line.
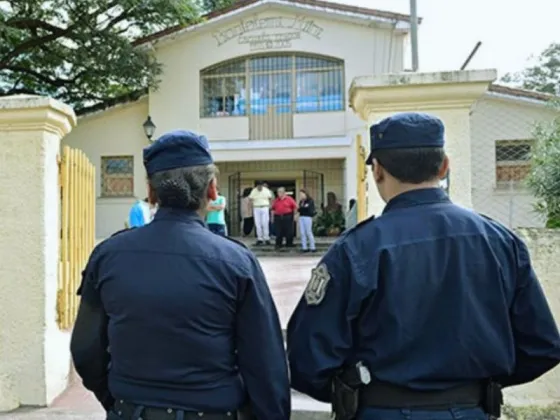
{"type": "Point", "coordinates": [286, 277]}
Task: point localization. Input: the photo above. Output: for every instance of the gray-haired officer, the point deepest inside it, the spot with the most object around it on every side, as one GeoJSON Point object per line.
{"type": "Point", "coordinates": [176, 322]}
{"type": "Point", "coordinates": [426, 311]}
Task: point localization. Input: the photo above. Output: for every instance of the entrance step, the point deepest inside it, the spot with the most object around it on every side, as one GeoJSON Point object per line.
{"type": "Point", "coordinates": [263, 251]}
{"type": "Point", "coordinates": [321, 246]}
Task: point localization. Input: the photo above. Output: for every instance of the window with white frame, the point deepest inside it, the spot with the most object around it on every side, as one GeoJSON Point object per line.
{"type": "Point", "coordinates": [117, 176]}
{"type": "Point", "coordinates": [289, 83]}
{"type": "Point", "coordinates": [513, 161]}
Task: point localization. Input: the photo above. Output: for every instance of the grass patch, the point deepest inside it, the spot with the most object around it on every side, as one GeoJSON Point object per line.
{"type": "Point", "coordinates": [550, 412]}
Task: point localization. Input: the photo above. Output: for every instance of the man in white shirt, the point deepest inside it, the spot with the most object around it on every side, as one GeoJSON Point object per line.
{"type": "Point", "coordinates": [260, 198]}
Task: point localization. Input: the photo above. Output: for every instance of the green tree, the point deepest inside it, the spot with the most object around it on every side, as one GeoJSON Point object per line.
{"type": "Point", "coordinates": [82, 51]}
{"type": "Point", "coordinates": [544, 177]}
{"type": "Point", "coordinates": [215, 5]}
{"type": "Point", "coordinates": [544, 76]}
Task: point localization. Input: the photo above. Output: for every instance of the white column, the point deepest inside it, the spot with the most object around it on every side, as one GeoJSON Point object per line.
{"type": "Point", "coordinates": [447, 95]}
{"type": "Point", "coordinates": [34, 354]}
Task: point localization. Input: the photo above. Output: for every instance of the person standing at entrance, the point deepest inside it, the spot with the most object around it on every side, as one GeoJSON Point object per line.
{"type": "Point", "coordinates": [260, 198]}
{"type": "Point", "coordinates": [427, 311]}
{"type": "Point", "coordinates": [215, 218]}
{"type": "Point", "coordinates": [139, 214]}
{"type": "Point", "coordinates": [306, 212]}
{"type": "Point", "coordinates": [247, 213]}
{"type": "Point", "coordinates": [283, 209]}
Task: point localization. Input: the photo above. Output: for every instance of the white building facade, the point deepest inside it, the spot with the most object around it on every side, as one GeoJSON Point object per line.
{"type": "Point", "coordinates": [267, 82]}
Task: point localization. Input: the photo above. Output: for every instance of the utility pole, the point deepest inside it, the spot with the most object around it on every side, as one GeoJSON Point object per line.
{"type": "Point", "coordinates": [414, 34]}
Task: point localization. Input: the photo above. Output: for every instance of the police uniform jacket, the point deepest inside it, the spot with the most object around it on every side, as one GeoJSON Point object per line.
{"type": "Point", "coordinates": [430, 295]}
{"type": "Point", "coordinates": [175, 316]}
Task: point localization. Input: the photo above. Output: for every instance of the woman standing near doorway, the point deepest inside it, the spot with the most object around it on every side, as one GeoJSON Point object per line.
{"type": "Point", "coordinates": [306, 212]}
{"type": "Point", "coordinates": [247, 212]}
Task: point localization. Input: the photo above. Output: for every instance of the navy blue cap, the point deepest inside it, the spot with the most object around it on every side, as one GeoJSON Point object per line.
{"type": "Point", "coordinates": [405, 131]}
{"type": "Point", "coordinates": [177, 149]}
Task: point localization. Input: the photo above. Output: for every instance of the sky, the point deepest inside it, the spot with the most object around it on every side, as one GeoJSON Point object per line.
{"type": "Point", "coordinates": [510, 30]}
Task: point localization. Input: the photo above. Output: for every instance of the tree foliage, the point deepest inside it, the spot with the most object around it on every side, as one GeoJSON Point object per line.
{"type": "Point", "coordinates": [215, 5]}
{"type": "Point", "coordinates": [544, 177]}
{"type": "Point", "coordinates": [81, 51]}
{"type": "Point", "coordinates": [544, 76]}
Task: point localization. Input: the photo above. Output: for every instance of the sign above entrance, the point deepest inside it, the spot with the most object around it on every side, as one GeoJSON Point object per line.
{"type": "Point", "coordinates": [268, 33]}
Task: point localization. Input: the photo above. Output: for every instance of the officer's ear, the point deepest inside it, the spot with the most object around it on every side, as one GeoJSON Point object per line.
{"type": "Point", "coordinates": [378, 172]}
{"type": "Point", "coordinates": [444, 168]}
{"type": "Point", "coordinates": [213, 190]}
{"type": "Point", "coordinates": [152, 196]}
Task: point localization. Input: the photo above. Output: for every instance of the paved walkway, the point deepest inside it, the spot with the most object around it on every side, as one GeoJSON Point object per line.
{"type": "Point", "coordinates": [287, 278]}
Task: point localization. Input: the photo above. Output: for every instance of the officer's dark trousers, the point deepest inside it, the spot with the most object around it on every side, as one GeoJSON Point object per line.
{"type": "Point", "coordinates": [284, 228]}
{"type": "Point", "coordinates": [248, 225]}
{"type": "Point", "coordinates": [217, 229]}
{"type": "Point", "coordinates": [406, 414]}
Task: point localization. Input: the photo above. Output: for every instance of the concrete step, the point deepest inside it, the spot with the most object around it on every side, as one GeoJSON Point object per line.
{"type": "Point", "coordinates": [287, 254]}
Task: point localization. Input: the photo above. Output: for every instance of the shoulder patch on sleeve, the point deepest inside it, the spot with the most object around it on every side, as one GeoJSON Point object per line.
{"type": "Point", "coordinates": [236, 241]}
{"type": "Point", "coordinates": [121, 231]}
{"type": "Point", "coordinates": [317, 286]}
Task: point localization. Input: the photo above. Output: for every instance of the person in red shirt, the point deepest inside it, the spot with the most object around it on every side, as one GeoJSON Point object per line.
{"type": "Point", "coordinates": [283, 209]}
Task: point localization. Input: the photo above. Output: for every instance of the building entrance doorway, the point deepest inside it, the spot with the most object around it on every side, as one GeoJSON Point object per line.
{"type": "Point", "coordinates": [290, 187]}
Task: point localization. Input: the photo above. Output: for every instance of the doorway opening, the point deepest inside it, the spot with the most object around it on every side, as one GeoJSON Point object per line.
{"type": "Point", "coordinates": [288, 184]}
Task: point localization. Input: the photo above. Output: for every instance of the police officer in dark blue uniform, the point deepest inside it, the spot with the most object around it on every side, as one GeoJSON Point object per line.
{"type": "Point", "coordinates": [426, 311]}
{"type": "Point", "coordinates": [175, 322]}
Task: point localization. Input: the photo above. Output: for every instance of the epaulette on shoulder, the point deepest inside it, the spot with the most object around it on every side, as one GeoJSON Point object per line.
{"type": "Point", "coordinates": [495, 223]}
{"type": "Point", "coordinates": [122, 231]}
{"type": "Point", "coordinates": [361, 224]}
{"type": "Point", "coordinates": [486, 217]}
{"type": "Point", "coordinates": [237, 242]}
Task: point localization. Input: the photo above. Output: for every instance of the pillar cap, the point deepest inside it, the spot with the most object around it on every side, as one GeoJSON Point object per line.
{"type": "Point", "coordinates": [400, 92]}
{"type": "Point", "coordinates": [33, 112]}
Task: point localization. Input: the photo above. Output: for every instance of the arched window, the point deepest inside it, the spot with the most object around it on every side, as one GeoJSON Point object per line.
{"type": "Point", "coordinates": [288, 83]}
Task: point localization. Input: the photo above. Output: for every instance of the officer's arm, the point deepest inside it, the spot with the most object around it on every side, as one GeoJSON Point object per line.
{"type": "Point", "coordinates": [260, 349]}
{"type": "Point", "coordinates": [89, 344]}
{"type": "Point", "coordinates": [320, 330]}
{"type": "Point", "coordinates": [537, 341]}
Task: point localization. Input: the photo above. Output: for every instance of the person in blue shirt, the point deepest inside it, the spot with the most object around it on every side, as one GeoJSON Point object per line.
{"type": "Point", "coordinates": [215, 218]}
{"type": "Point", "coordinates": [172, 316]}
{"type": "Point", "coordinates": [139, 214]}
{"type": "Point", "coordinates": [426, 311]}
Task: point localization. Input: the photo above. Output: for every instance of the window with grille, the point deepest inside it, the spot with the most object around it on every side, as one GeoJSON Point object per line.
{"type": "Point", "coordinates": [512, 161]}
{"type": "Point", "coordinates": [117, 176]}
{"type": "Point", "coordinates": [286, 83]}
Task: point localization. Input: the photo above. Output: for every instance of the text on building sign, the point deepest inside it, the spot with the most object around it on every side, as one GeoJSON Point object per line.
{"type": "Point", "coordinates": [255, 31]}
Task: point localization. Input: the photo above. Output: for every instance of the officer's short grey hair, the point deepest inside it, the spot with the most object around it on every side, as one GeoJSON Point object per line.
{"type": "Point", "coordinates": [183, 188]}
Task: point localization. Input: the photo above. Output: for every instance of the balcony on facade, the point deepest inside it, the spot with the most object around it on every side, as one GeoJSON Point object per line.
{"type": "Point", "coordinates": [267, 97]}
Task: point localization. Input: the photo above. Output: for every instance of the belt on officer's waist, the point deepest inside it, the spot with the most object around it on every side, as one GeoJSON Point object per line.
{"type": "Point", "coordinates": [129, 411]}
{"type": "Point", "coordinates": [385, 395]}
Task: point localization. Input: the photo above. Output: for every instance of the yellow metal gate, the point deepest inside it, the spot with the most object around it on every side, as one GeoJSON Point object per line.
{"type": "Point", "coordinates": [77, 229]}
{"type": "Point", "coordinates": [361, 173]}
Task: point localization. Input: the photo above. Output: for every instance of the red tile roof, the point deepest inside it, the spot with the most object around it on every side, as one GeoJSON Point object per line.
{"type": "Point", "coordinates": [521, 93]}
{"type": "Point", "coordinates": [313, 3]}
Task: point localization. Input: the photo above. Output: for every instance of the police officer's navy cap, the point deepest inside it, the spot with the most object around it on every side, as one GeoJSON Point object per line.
{"type": "Point", "coordinates": [177, 149]}
{"type": "Point", "coordinates": [405, 131]}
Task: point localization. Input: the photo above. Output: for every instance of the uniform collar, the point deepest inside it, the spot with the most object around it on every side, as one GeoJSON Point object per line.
{"type": "Point", "coordinates": [177, 215]}
{"type": "Point", "coordinates": [416, 198]}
